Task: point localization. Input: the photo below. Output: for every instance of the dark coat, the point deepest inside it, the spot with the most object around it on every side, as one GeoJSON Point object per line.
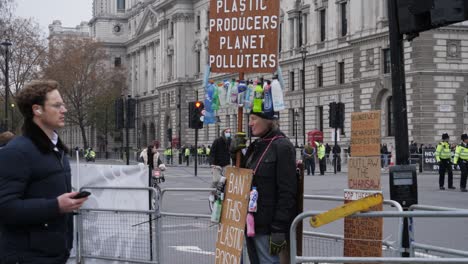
{"type": "Point", "coordinates": [33, 174]}
{"type": "Point", "coordinates": [276, 182]}
{"type": "Point", "coordinates": [219, 153]}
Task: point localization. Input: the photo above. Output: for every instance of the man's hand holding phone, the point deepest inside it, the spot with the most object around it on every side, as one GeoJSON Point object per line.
{"type": "Point", "coordinates": [69, 202]}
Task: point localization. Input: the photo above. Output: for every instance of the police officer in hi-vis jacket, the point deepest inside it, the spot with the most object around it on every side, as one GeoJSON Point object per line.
{"type": "Point", "coordinates": [461, 158]}
{"type": "Point", "coordinates": [443, 156]}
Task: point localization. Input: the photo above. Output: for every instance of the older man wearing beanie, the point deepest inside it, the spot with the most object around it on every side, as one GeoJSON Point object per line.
{"type": "Point", "coordinates": [272, 159]}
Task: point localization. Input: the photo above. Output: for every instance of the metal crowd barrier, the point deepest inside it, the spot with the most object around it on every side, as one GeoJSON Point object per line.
{"type": "Point", "coordinates": [421, 248]}
{"type": "Point", "coordinates": [197, 242]}
{"type": "Point", "coordinates": [398, 214]}
{"type": "Point", "coordinates": [101, 232]}
{"type": "Point", "coordinates": [323, 244]}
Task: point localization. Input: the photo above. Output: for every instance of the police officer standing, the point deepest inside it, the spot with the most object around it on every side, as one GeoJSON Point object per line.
{"type": "Point", "coordinates": [443, 156]}
{"type": "Point", "coordinates": [461, 158]}
{"type": "Point", "coordinates": [321, 157]}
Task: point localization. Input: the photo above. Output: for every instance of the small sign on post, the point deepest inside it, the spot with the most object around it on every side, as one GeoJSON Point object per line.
{"type": "Point", "coordinates": [230, 237]}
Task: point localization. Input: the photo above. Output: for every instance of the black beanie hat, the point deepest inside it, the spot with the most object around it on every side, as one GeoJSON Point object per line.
{"type": "Point", "coordinates": [266, 115]}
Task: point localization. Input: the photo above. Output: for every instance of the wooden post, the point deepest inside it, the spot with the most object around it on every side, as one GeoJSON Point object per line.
{"type": "Point", "coordinates": [240, 117]}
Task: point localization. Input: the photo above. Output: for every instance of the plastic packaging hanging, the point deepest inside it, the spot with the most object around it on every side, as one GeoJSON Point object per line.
{"type": "Point", "coordinates": [215, 105]}
{"type": "Point", "coordinates": [241, 89]}
{"type": "Point", "coordinates": [222, 90]}
{"type": "Point", "coordinates": [209, 116]}
{"type": "Point", "coordinates": [233, 93]}
{"type": "Point", "coordinates": [258, 98]}
{"type": "Point", "coordinates": [267, 97]}
{"type": "Point", "coordinates": [277, 95]}
{"type": "Point", "coordinates": [248, 97]}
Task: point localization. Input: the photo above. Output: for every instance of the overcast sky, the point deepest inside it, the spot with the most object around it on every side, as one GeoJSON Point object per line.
{"type": "Point", "coordinates": [70, 12]}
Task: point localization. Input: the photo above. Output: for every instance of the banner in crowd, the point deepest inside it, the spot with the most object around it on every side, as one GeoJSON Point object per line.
{"type": "Point", "coordinates": [429, 160]}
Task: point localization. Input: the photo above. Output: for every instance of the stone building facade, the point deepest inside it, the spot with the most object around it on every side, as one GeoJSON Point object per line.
{"type": "Point", "coordinates": [164, 46]}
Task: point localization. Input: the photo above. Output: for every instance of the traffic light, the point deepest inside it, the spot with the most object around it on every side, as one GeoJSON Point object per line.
{"type": "Point", "coordinates": [336, 115]}
{"type": "Point", "coordinates": [332, 114]}
{"type": "Point", "coordinates": [415, 16]}
{"type": "Point", "coordinates": [119, 113]}
{"type": "Point", "coordinates": [340, 115]}
{"type": "Point", "coordinates": [195, 114]}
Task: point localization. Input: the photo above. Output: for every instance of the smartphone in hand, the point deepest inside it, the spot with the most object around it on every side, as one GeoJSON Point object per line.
{"type": "Point", "coordinates": [81, 194]}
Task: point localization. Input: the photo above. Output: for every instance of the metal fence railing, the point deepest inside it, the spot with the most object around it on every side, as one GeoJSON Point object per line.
{"type": "Point", "coordinates": [325, 244]}
{"type": "Point", "coordinates": [385, 214]}
{"type": "Point", "coordinates": [117, 234]}
{"type": "Point", "coordinates": [197, 245]}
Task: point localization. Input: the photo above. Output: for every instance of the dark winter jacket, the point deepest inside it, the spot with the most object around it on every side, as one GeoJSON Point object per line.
{"type": "Point", "coordinates": [33, 174]}
{"type": "Point", "coordinates": [219, 154]}
{"type": "Point", "coordinates": [276, 182]}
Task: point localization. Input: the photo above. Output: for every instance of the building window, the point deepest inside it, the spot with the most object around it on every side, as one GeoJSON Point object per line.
{"type": "Point", "coordinates": [319, 76]}
{"type": "Point", "coordinates": [320, 117]}
{"type": "Point", "coordinates": [341, 73]}
{"type": "Point", "coordinates": [169, 72]}
{"type": "Point", "coordinates": [322, 25]}
{"type": "Point", "coordinates": [299, 39]}
{"type": "Point", "coordinates": [120, 5]}
{"type": "Point", "coordinates": [390, 122]}
{"type": "Point", "coordinates": [198, 23]}
{"type": "Point", "coordinates": [387, 66]}
{"type": "Point", "coordinates": [344, 20]}
{"type": "Point", "coordinates": [117, 62]}
{"type": "Point", "coordinates": [171, 33]}
{"type": "Point", "coordinates": [292, 122]}
{"type": "Point", "coordinates": [207, 18]}
{"type": "Point", "coordinates": [291, 80]}
{"type": "Point", "coordinates": [197, 61]}
{"type": "Point", "coordinates": [280, 36]}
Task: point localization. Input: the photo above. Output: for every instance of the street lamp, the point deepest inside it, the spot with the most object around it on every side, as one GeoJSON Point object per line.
{"type": "Point", "coordinates": [6, 43]}
{"type": "Point", "coordinates": [303, 56]}
{"type": "Point", "coordinates": [12, 116]}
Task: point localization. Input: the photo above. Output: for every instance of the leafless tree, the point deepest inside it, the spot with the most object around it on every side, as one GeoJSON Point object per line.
{"type": "Point", "coordinates": [88, 83]}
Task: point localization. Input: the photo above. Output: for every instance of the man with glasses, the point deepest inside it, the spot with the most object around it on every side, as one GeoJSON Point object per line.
{"type": "Point", "coordinates": [36, 201]}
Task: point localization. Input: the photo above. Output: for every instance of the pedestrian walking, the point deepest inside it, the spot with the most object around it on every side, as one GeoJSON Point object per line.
{"type": "Point", "coordinates": [220, 155]}
{"type": "Point", "coordinates": [443, 156]}
{"type": "Point", "coordinates": [308, 155]}
{"type": "Point", "coordinates": [337, 157]}
{"type": "Point", "coordinates": [272, 159]}
{"type": "Point", "coordinates": [36, 201]}
{"type": "Point", "coordinates": [461, 158]}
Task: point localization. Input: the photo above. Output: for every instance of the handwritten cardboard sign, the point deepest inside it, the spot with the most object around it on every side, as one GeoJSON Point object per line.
{"type": "Point", "coordinates": [230, 237]}
{"type": "Point", "coordinates": [363, 235]}
{"type": "Point", "coordinates": [365, 134]}
{"type": "Point", "coordinates": [243, 35]}
{"type": "Point", "coordinates": [364, 173]}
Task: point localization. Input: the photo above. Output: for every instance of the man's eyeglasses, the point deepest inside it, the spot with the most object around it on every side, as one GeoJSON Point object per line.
{"type": "Point", "coordinates": [58, 106]}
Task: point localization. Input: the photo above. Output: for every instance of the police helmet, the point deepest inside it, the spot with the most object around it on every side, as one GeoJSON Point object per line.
{"type": "Point", "coordinates": [464, 136]}
{"type": "Point", "coordinates": [445, 136]}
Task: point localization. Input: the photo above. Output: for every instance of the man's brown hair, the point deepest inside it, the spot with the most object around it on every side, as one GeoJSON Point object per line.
{"type": "Point", "coordinates": [34, 93]}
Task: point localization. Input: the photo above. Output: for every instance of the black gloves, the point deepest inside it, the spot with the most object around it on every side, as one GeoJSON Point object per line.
{"type": "Point", "coordinates": [239, 142]}
{"type": "Point", "coordinates": [277, 243]}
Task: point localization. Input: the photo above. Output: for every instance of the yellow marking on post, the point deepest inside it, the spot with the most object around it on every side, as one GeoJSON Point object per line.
{"type": "Point", "coordinates": [346, 209]}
